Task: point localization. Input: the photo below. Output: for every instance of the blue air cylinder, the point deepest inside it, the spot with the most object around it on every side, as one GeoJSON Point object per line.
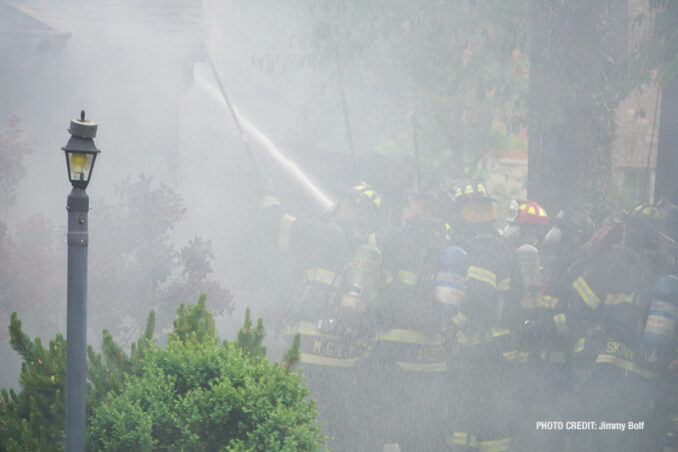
{"type": "Point", "coordinates": [661, 319]}
{"type": "Point", "coordinates": [449, 287]}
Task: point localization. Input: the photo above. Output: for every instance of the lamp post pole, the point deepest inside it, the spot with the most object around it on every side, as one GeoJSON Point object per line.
{"type": "Point", "coordinates": [76, 323]}
{"type": "Point", "coordinates": [80, 156]}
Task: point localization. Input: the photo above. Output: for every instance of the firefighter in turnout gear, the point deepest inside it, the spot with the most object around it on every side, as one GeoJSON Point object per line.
{"type": "Point", "coordinates": [404, 361]}
{"type": "Point", "coordinates": [661, 353]}
{"type": "Point", "coordinates": [564, 257]}
{"type": "Point", "coordinates": [607, 307]}
{"type": "Point", "coordinates": [481, 415]}
{"type": "Point", "coordinates": [336, 271]}
{"type": "Point", "coordinates": [526, 226]}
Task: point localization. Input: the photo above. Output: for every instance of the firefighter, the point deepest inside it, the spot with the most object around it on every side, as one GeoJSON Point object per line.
{"type": "Point", "coordinates": [607, 305]}
{"type": "Point", "coordinates": [404, 357]}
{"type": "Point", "coordinates": [545, 334]}
{"type": "Point", "coordinates": [527, 225]}
{"type": "Point", "coordinates": [661, 356]}
{"type": "Point", "coordinates": [669, 246]}
{"type": "Point", "coordinates": [562, 249]}
{"type": "Point", "coordinates": [565, 250]}
{"type": "Point", "coordinates": [482, 412]}
{"type": "Point", "coordinates": [335, 271]}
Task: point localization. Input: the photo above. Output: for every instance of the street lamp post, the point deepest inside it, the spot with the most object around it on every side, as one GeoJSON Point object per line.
{"type": "Point", "coordinates": [81, 153]}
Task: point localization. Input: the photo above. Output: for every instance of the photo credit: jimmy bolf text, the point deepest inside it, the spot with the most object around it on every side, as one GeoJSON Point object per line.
{"type": "Point", "coordinates": [589, 425]}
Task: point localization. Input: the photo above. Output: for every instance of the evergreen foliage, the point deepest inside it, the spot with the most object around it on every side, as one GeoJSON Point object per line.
{"type": "Point", "coordinates": [34, 419]}
{"type": "Point", "coordinates": [194, 323]}
{"type": "Point", "coordinates": [198, 393]}
{"type": "Point", "coordinates": [292, 356]}
{"type": "Point", "coordinates": [249, 340]}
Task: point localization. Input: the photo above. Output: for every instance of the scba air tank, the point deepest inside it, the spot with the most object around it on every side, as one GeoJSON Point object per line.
{"type": "Point", "coordinates": [449, 288]}
{"type": "Point", "coordinates": [360, 279]}
{"type": "Point", "coordinates": [530, 269]}
{"type": "Point", "coordinates": [661, 319]}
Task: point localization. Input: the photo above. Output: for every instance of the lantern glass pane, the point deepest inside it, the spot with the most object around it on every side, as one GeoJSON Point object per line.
{"type": "Point", "coordinates": [80, 166]}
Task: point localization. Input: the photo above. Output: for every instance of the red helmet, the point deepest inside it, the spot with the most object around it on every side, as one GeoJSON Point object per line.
{"type": "Point", "coordinates": [528, 212]}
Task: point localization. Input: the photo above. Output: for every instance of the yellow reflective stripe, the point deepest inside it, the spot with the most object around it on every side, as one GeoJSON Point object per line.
{"type": "Point", "coordinates": [516, 356]}
{"type": "Point", "coordinates": [493, 446]}
{"type": "Point", "coordinates": [579, 346]}
{"type": "Point", "coordinates": [586, 293]}
{"type": "Point", "coordinates": [618, 298]}
{"type": "Point", "coordinates": [482, 275]}
{"type": "Point", "coordinates": [458, 438]}
{"type": "Point", "coordinates": [407, 336]}
{"type": "Point", "coordinates": [560, 322]}
{"type": "Point", "coordinates": [504, 284]}
{"type": "Point", "coordinates": [549, 302]}
{"type": "Point", "coordinates": [321, 275]}
{"type": "Point", "coordinates": [284, 237]}
{"type": "Point", "coordinates": [623, 364]}
{"type": "Point", "coordinates": [497, 332]}
{"type": "Point", "coordinates": [268, 201]}
{"type": "Point", "coordinates": [373, 239]}
{"type": "Point", "coordinates": [305, 329]}
{"type": "Point", "coordinates": [327, 361]}
{"type": "Point", "coordinates": [459, 319]}
{"type": "Point", "coordinates": [421, 367]}
{"type": "Point", "coordinates": [407, 277]}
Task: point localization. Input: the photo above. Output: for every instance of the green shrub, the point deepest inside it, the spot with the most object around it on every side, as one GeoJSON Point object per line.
{"type": "Point", "coordinates": [197, 393]}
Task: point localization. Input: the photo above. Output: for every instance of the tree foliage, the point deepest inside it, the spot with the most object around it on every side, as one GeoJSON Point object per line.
{"type": "Point", "coordinates": [13, 149]}
{"type": "Point", "coordinates": [197, 393]}
{"type": "Point", "coordinates": [131, 257]}
{"type": "Point", "coordinates": [460, 66]}
{"type": "Point", "coordinates": [34, 418]}
{"type": "Point", "coordinates": [250, 340]}
{"type": "Point", "coordinates": [135, 258]}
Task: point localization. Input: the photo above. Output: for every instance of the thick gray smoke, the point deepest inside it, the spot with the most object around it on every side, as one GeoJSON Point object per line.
{"type": "Point", "coordinates": [326, 99]}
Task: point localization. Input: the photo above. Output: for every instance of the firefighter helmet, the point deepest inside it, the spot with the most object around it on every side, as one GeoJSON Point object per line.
{"type": "Point", "coordinates": [643, 227]}
{"type": "Point", "coordinates": [363, 194]}
{"type": "Point", "coordinates": [473, 202]}
{"type": "Point", "coordinates": [527, 212]}
{"type": "Point", "coordinates": [648, 217]}
{"type": "Point", "coordinates": [470, 190]}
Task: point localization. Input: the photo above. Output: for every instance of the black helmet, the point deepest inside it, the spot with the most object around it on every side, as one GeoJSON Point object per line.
{"type": "Point", "coordinates": [643, 227]}
{"type": "Point", "coordinates": [363, 194]}
{"type": "Point", "coordinates": [470, 190]}
{"type": "Point", "coordinates": [575, 222]}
